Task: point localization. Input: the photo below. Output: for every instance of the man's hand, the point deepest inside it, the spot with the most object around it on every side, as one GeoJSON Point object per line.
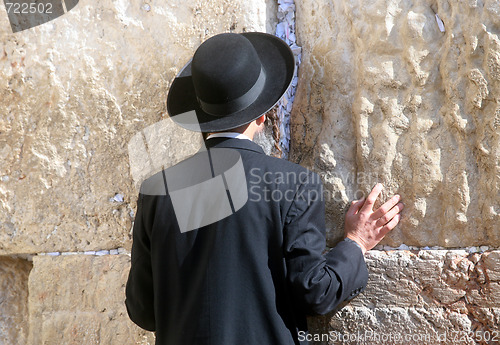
{"type": "Point", "coordinates": [367, 226]}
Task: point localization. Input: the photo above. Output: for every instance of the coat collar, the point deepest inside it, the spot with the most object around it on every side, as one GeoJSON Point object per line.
{"type": "Point", "coordinates": [234, 143]}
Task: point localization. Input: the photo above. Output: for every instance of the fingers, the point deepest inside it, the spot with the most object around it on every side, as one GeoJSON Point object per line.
{"type": "Point", "coordinates": [372, 197]}
{"type": "Point", "coordinates": [389, 226]}
{"type": "Point", "coordinates": [355, 206]}
{"type": "Point", "coordinates": [386, 218]}
{"type": "Point", "coordinates": [388, 205]}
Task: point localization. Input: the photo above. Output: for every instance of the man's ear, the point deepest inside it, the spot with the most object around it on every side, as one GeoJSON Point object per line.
{"type": "Point", "coordinates": [260, 120]}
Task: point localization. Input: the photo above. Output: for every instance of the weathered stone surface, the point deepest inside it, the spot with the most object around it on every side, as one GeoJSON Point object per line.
{"type": "Point", "coordinates": [431, 279]}
{"type": "Point", "coordinates": [73, 93]}
{"type": "Point", "coordinates": [385, 96]}
{"type": "Point", "coordinates": [14, 300]}
{"type": "Point", "coordinates": [415, 326]}
{"type": "Point", "coordinates": [79, 299]}
{"type": "Point", "coordinates": [437, 293]}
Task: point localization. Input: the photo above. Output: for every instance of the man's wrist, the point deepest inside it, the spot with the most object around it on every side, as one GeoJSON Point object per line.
{"type": "Point", "coordinates": [348, 239]}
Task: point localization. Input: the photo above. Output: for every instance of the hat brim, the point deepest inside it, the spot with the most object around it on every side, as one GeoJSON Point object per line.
{"type": "Point", "coordinates": [279, 65]}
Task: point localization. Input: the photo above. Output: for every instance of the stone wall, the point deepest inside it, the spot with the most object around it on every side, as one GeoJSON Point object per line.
{"type": "Point", "coordinates": [387, 95]}
{"type": "Point", "coordinates": [78, 299]}
{"type": "Point", "coordinates": [73, 93]}
{"type": "Point", "coordinates": [421, 297]}
{"type": "Point", "coordinates": [14, 300]}
{"type": "Point", "coordinates": [383, 96]}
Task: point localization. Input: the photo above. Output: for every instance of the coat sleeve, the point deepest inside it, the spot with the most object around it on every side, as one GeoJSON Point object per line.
{"type": "Point", "coordinates": [139, 289]}
{"type": "Point", "coordinates": [320, 283]}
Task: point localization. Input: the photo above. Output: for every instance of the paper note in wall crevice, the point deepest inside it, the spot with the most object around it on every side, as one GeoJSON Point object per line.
{"type": "Point", "coordinates": [440, 23]}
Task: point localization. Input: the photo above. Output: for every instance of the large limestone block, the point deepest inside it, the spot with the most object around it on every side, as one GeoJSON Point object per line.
{"type": "Point", "coordinates": [79, 299]}
{"type": "Point", "coordinates": [385, 96]}
{"type": "Point", "coordinates": [412, 326]}
{"type": "Point", "coordinates": [417, 297]}
{"type": "Point", "coordinates": [14, 300]}
{"type": "Point", "coordinates": [73, 93]}
{"type": "Point", "coordinates": [432, 278]}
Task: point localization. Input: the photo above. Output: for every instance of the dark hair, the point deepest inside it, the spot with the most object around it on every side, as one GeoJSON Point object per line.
{"type": "Point", "coordinates": [273, 121]}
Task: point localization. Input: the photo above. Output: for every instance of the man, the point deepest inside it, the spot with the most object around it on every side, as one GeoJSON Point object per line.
{"type": "Point", "coordinates": [250, 277]}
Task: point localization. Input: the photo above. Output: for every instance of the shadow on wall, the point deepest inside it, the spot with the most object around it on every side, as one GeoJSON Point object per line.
{"type": "Point", "coordinates": [14, 275]}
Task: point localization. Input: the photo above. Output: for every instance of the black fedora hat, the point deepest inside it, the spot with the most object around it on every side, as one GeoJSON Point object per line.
{"type": "Point", "coordinates": [231, 80]}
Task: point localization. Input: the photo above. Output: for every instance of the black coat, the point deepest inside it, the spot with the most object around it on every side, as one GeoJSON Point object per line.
{"type": "Point", "coordinates": [250, 278]}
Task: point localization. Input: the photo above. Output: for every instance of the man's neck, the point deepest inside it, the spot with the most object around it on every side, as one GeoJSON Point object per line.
{"type": "Point", "coordinates": [228, 134]}
{"type": "Point", "coordinates": [249, 129]}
